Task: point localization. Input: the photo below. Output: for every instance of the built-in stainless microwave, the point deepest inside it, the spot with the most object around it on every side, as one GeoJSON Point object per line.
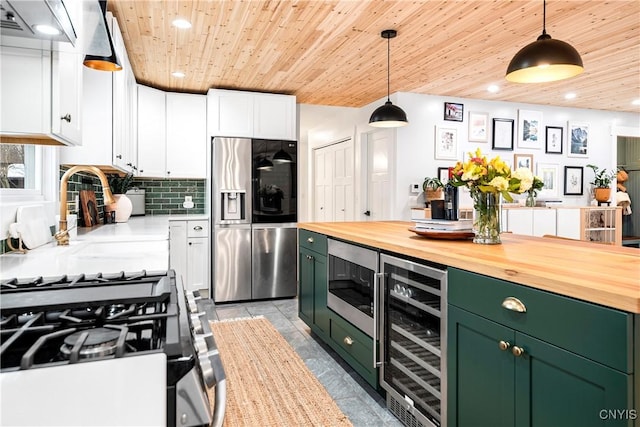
{"type": "Point", "coordinates": [353, 281]}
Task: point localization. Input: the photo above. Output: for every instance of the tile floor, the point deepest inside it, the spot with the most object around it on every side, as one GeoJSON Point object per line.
{"type": "Point", "coordinates": [363, 405]}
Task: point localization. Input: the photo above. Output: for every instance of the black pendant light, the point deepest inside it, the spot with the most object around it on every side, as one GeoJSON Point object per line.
{"type": "Point", "coordinates": [282, 156]}
{"type": "Point", "coordinates": [545, 60]}
{"type": "Point", "coordinates": [104, 63]}
{"type": "Point", "coordinates": [388, 115]}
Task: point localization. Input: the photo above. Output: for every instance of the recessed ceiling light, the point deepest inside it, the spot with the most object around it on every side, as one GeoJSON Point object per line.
{"type": "Point", "coordinates": [178, 74]}
{"type": "Point", "coordinates": [47, 29]}
{"type": "Point", "coordinates": [635, 102]}
{"type": "Point", "coordinates": [493, 88]}
{"type": "Point", "coordinates": [570, 95]}
{"type": "Point", "coordinates": [181, 23]}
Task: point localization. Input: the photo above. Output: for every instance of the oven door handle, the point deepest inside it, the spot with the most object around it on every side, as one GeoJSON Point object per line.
{"type": "Point", "coordinates": [377, 279]}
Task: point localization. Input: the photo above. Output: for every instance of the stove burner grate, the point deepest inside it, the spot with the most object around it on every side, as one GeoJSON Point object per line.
{"type": "Point", "coordinates": [91, 343]}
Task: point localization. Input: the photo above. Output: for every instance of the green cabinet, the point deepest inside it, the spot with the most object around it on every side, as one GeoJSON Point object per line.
{"type": "Point", "coordinates": [312, 294]}
{"type": "Point", "coordinates": [540, 360]}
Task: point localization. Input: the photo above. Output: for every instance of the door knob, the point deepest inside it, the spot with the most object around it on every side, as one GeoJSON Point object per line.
{"type": "Point", "coordinates": [517, 351]}
{"type": "Point", "coordinates": [310, 240]}
{"type": "Point", "coordinates": [504, 345]}
{"type": "Point", "coordinates": [367, 213]}
{"type": "Point", "coordinates": [66, 118]}
{"type": "Point", "coordinates": [348, 340]}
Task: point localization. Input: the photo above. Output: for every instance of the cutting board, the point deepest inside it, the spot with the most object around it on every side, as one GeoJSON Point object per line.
{"type": "Point", "coordinates": [33, 226]}
{"type": "Point", "coordinates": [89, 208]}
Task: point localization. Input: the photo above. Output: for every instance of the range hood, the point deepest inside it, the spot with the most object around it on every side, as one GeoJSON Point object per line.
{"type": "Point", "coordinates": [73, 23]}
{"type": "Point", "coordinates": [30, 18]}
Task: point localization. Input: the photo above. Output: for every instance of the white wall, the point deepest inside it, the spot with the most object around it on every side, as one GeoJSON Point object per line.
{"type": "Point", "coordinates": [415, 142]}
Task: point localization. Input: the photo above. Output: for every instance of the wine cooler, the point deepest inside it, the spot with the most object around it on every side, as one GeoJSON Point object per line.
{"type": "Point", "coordinates": [413, 340]}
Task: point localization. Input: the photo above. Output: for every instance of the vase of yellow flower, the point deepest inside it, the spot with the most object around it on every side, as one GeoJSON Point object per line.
{"type": "Point", "coordinates": [488, 181]}
{"type": "Point", "coordinates": [486, 217]}
{"type": "Point", "coordinates": [532, 192]}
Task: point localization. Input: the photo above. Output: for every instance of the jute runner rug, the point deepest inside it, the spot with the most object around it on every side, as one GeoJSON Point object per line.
{"type": "Point", "coordinates": [268, 384]}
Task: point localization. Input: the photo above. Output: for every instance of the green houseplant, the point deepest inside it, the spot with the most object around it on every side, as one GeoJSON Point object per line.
{"type": "Point", "coordinates": [602, 180]}
{"type": "Point", "coordinates": [432, 188]}
{"type": "Point", "coordinates": [120, 184]}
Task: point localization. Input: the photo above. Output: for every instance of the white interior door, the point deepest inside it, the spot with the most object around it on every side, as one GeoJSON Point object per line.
{"type": "Point", "coordinates": [334, 182]}
{"type": "Point", "coordinates": [380, 149]}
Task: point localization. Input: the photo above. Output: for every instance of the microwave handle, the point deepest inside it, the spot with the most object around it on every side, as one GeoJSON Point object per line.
{"type": "Point", "coordinates": [378, 278]}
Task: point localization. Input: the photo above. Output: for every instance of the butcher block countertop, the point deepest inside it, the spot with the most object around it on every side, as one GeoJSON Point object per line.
{"type": "Point", "coordinates": [602, 274]}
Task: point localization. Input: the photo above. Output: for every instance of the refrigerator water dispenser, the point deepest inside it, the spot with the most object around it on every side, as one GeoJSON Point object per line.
{"type": "Point", "coordinates": [232, 205]}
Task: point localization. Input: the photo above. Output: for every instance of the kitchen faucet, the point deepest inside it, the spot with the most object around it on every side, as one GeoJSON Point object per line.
{"type": "Point", "coordinates": [62, 236]}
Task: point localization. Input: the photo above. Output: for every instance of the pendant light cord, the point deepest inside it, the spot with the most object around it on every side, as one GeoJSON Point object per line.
{"type": "Point", "coordinates": [388, 68]}
{"type": "Point", "coordinates": [544, 17]}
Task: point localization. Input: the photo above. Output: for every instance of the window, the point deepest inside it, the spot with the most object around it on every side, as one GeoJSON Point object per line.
{"type": "Point", "coordinates": [19, 166]}
{"type": "Point", "coordinates": [28, 173]}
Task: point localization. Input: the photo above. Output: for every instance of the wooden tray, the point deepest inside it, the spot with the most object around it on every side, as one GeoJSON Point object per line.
{"type": "Point", "coordinates": [444, 235]}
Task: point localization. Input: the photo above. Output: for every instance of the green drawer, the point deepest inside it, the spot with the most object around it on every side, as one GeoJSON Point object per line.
{"type": "Point", "coordinates": [354, 346]}
{"type": "Point", "coordinates": [590, 330]}
{"type": "Point", "coordinates": [313, 241]}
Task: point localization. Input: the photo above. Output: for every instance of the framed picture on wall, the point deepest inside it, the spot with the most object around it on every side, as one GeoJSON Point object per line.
{"type": "Point", "coordinates": [446, 143]}
{"type": "Point", "coordinates": [553, 140]}
{"type": "Point", "coordinates": [443, 175]}
{"type": "Point", "coordinates": [502, 134]}
{"type": "Point", "coordinates": [529, 129]}
{"type": "Point", "coordinates": [453, 112]}
{"type": "Point", "coordinates": [578, 140]}
{"type": "Point", "coordinates": [549, 175]}
{"type": "Point", "coordinates": [523, 161]}
{"type": "Point", "coordinates": [478, 127]}
{"type": "Point", "coordinates": [573, 180]}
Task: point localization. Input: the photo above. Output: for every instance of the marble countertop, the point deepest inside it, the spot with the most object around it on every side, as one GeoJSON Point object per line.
{"type": "Point", "coordinates": [142, 243]}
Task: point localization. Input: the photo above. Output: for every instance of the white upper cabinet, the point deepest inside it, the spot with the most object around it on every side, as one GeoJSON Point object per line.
{"type": "Point", "coordinates": [97, 122]}
{"type": "Point", "coordinates": [41, 92]}
{"type": "Point", "coordinates": [230, 113]}
{"type": "Point", "coordinates": [186, 135]}
{"type": "Point", "coordinates": [172, 134]}
{"type": "Point", "coordinates": [152, 134]}
{"type": "Point", "coordinates": [251, 114]}
{"type": "Point", "coordinates": [274, 116]}
{"type": "Point", "coordinates": [125, 153]}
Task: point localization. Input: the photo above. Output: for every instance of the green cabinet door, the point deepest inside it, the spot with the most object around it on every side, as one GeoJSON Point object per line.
{"type": "Point", "coordinates": [320, 309]}
{"type": "Point", "coordinates": [555, 387]}
{"type": "Point", "coordinates": [312, 295]}
{"type": "Point", "coordinates": [481, 376]}
{"type": "Point", "coordinates": [305, 283]}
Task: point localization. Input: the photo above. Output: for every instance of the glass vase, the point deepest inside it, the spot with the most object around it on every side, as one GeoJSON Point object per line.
{"type": "Point", "coordinates": [486, 218]}
{"type": "Point", "coordinates": [531, 201]}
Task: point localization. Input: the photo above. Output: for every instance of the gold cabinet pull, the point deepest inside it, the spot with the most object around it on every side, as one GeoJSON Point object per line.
{"type": "Point", "coordinates": [310, 239]}
{"type": "Point", "coordinates": [517, 351]}
{"type": "Point", "coordinates": [504, 345]}
{"type": "Point", "coordinates": [514, 304]}
{"type": "Point", "coordinates": [347, 340]}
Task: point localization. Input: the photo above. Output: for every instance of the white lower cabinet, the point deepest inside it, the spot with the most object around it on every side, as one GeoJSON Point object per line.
{"type": "Point", "coordinates": [531, 221]}
{"type": "Point", "coordinates": [189, 252]}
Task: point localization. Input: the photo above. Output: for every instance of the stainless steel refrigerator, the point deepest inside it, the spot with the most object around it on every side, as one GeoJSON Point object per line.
{"type": "Point", "coordinates": [254, 206]}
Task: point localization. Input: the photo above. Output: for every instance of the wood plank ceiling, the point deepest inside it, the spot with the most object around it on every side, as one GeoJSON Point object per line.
{"type": "Point", "coordinates": [331, 52]}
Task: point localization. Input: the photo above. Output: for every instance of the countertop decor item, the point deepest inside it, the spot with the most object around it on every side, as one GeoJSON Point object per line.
{"type": "Point", "coordinates": [487, 180]}
{"type": "Point", "coordinates": [544, 60]}
{"type": "Point", "coordinates": [388, 115]}
{"type": "Point", "coordinates": [532, 193]}
{"type": "Point", "coordinates": [432, 188]}
{"type": "Point", "coordinates": [119, 186]}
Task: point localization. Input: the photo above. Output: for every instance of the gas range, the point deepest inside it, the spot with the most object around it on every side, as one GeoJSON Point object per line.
{"type": "Point", "coordinates": [119, 349]}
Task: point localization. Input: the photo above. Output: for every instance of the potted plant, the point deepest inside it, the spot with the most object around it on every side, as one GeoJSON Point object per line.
{"type": "Point", "coordinates": [602, 183]}
{"type": "Point", "coordinates": [120, 184]}
{"type": "Point", "coordinates": [432, 188]}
